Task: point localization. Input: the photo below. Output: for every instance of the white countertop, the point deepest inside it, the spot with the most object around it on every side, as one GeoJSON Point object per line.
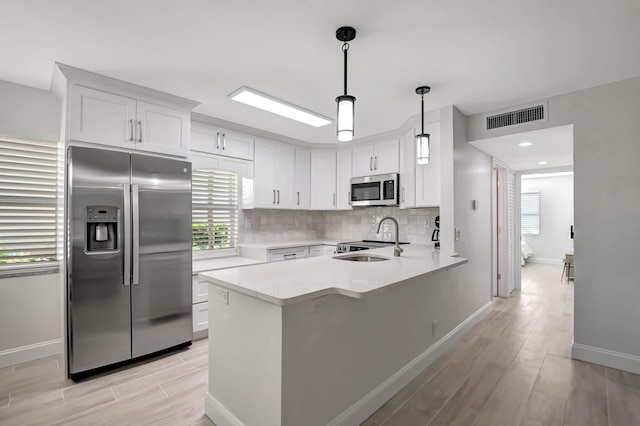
{"type": "Point", "coordinates": [286, 244]}
{"type": "Point", "coordinates": [285, 283]}
{"type": "Point", "coordinates": [201, 265]}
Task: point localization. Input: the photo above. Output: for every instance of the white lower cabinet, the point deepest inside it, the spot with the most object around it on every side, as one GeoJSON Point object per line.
{"type": "Point", "coordinates": [200, 316]}
{"type": "Point", "coordinates": [328, 250]}
{"type": "Point", "coordinates": [322, 250]}
{"type": "Point", "coordinates": [292, 253]}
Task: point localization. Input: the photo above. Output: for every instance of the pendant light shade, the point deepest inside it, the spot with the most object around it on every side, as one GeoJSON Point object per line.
{"type": "Point", "coordinates": [346, 103]}
{"type": "Point", "coordinates": [423, 148]}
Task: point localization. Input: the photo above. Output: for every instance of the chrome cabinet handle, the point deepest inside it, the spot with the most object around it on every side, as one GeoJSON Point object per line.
{"type": "Point", "coordinates": [298, 197]}
{"type": "Point", "coordinates": [136, 235]}
{"type": "Point", "coordinates": [140, 128]}
{"type": "Point", "coordinates": [403, 194]}
{"type": "Point", "coordinates": [375, 163]}
{"type": "Point", "coordinates": [224, 141]}
{"type": "Point", "coordinates": [349, 197]}
{"type": "Point", "coordinates": [132, 131]}
{"type": "Point", "coordinates": [334, 198]}
{"type": "Point", "coordinates": [274, 196]}
{"type": "Point", "coordinates": [370, 163]}
{"type": "Point", "coordinates": [126, 275]}
{"type": "Point", "coordinates": [278, 191]}
{"type": "Point", "coordinates": [218, 140]}
{"type": "Point", "coordinates": [289, 255]}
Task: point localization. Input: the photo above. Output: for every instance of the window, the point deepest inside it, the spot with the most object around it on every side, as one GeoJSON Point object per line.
{"type": "Point", "coordinates": [31, 173]}
{"type": "Point", "coordinates": [530, 213]}
{"type": "Point", "coordinates": [214, 210]}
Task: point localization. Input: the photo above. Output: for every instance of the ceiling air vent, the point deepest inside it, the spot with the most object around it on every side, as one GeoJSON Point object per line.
{"type": "Point", "coordinates": [511, 118]}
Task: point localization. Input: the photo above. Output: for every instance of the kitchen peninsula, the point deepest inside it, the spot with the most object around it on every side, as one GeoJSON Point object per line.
{"type": "Point", "coordinates": [325, 341]}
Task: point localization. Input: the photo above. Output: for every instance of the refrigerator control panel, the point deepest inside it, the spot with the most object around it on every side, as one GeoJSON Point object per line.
{"type": "Point", "coordinates": [102, 214]}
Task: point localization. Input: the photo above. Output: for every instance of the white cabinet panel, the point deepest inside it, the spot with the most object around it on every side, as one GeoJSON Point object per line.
{"type": "Point", "coordinates": [284, 169]}
{"type": "Point", "coordinates": [105, 118]}
{"type": "Point", "coordinates": [428, 182]}
{"type": "Point", "coordinates": [343, 180]}
{"type": "Point", "coordinates": [164, 130]}
{"type": "Point", "coordinates": [200, 313]}
{"type": "Point", "coordinates": [408, 170]}
{"type": "Point", "coordinates": [302, 179]}
{"type": "Point", "coordinates": [316, 251]}
{"type": "Point", "coordinates": [274, 171]}
{"type": "Point", "coordinates": [213, 140]}
{"type": "Point", "coordinates": [376, 159]}
{"type": "Point", "coordinates": [323, 180]}
{"type": "Point", "coordinates": [291, 253]}
{"type": "Point", "coordinates": [101, 117]}
{"type": "Point", "coordinates": [329, 250]}
{"type": "Point", "coordinates": [199, 290]}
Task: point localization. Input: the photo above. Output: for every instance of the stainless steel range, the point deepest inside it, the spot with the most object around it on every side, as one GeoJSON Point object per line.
{"type": "Point", "coordinates": [363, 245]}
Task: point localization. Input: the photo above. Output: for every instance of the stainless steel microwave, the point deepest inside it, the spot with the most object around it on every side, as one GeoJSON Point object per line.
{"type": "Point", "coordinates": [378, 190]}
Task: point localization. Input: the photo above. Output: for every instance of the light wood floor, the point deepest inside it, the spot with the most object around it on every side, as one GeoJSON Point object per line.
{"type": "Point", "coordinates": [513, 368]}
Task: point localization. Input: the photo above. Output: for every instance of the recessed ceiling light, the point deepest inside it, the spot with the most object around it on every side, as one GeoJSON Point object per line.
{"type": "Point", "coordinates": [285, 109]}
{"type": "Point", "coordinates": [525, 144]}
{"type": "Point", "coordinates": [542, 163]}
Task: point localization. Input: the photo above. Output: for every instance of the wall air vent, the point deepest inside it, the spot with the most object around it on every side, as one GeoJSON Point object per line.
{"type": "Point", "coordinates": [526, 115]}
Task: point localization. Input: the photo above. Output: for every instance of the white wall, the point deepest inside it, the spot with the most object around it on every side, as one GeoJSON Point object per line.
{"type": "Point", "coordinates": [30, 309]}
{"type": "Point", "coordinates": [556, 218]}
{"type": "Point", "coordinates": [606, 155]}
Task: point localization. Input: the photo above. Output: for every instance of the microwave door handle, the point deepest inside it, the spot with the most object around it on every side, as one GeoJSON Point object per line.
{"type": "Point", "coordinates": [126, 219]}
{"type": "Point", "coordinates": [136, 234]}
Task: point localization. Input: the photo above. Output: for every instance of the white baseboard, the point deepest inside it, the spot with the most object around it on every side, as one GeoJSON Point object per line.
{"type": "Point", "coordinates": [30, 352]}
{"type": "Point", "coordinates": [607, 358]}
{"type": "Point", "coordinates": [218, 413]}
{"type": "Point", "coordinates": [368, 405]}
{"type": "Point", "coordinates": [545, 261]}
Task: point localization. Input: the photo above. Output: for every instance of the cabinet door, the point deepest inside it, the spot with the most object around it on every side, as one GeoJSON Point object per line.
{"type": "Point", "coordinates": [200, 316]}
{"type": "Point", "coordinates": [329, 250]}
{"type": "Point", "coordinates": [264, 194]}
{"type": "Point", "coordinates": [385, 157]}
{"type": "Point", "coordinates": [343, 180]}
{"type": "Point", "coordinates": [236, 145]}
{"type": "Point", "coordinates": [408, 170]}
{"type": "Point", "coordinates": [428, 176]}
{"type": "Point", "coordinates": [163, 130]}
{"type": "Point", "coordinates": [316, 251]}
{"type": "Point", "coordinates": [323, 180]}
{"type": "Point", "coordinates": [284, 176]}
{"type": "Point", "coordinates": [205, 139]}
{"type": "Point", "coordinates": [302, 179]}
{"type": "Point", "coordinates": [363, 161]}
{"type": "Point", "coordinates": [101, 117]}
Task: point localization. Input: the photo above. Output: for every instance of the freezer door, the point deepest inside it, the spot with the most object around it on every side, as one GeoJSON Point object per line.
{"type": "Point", "coordinates": [161, 271]}
{"type": "Point", "coordinates": [98, 297]}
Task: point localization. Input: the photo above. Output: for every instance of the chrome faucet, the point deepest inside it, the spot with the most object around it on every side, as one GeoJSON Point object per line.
{"type": "Point", "coordinates": [397, 249]}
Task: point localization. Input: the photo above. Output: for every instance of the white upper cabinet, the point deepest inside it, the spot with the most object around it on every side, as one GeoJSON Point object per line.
{"type": "Point", "coordinates": [214, 140]}
{"type": "Point", "coordinates": [428, 181]}
{"type": "Point", "coordinates": [323, 180]}
{"type": "Point", "coordinates": [375, 159]}
{"type": "Point", "coordinates": [408, 153]}
{"type": "Point", "coordinates": [343, 178]}
{"type": "Point", "coordinates": [274, 171]}
{"type": "Point", "coordinates": [105, 118]}
{"type": "Point", "coordinates": [302, 179]}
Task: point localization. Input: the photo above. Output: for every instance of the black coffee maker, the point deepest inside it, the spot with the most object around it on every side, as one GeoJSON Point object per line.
{"type": "Point", "coordinates": [435, 236]}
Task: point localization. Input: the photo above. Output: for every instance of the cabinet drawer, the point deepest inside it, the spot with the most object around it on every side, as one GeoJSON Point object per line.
{"type": "Point", "coordinates": [200, 316]}
{"type": "Point", "coordinates": [288, 254]}
{"type": "Point", "coordinates": [199, 290]}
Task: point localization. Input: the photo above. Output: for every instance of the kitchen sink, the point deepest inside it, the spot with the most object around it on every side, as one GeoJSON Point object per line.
{"type": "Point", "coordinates": [362, 258]}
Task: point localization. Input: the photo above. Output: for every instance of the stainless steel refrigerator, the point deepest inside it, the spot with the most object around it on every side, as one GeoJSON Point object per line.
{"type": "Point", "coordinates": [128, 257]}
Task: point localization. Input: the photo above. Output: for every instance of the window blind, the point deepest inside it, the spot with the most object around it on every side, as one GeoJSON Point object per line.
{"type": "Point", "coordinates": [29, 177]}
{"type": "Point", "coordinates": [214, 209]}
{"type": "Point", "coordinates": [530, 213]}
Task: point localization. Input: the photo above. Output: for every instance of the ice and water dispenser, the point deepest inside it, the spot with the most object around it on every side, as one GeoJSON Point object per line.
{"type": "Point", "coordinates": [101, 228]}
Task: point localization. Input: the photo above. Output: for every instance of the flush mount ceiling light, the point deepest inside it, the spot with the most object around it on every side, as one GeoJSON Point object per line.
{"type": "Point", "coordinates": [523, 144]}
{"type": "Point", "coordinates": [346, 103]}
{"type": "Point", "coordinates": [265, 102]}
{"type": "Point", "coordinates": [422, 140]}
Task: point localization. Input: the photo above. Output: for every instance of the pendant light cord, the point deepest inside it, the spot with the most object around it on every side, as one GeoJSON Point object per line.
{"type": "Point", "coordinates": [345, 49]}
{"type": "Point", "coordinates": [422, 102]}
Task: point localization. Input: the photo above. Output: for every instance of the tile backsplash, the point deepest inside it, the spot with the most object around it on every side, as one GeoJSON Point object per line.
{"type": "Point", "coordinates": [416, 225]}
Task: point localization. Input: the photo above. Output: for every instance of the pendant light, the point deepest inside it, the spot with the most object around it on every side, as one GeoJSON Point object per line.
{"type": "Point", "coordinates": [346, 103]}
{"type": "Point", "coordinates": [422, 140]}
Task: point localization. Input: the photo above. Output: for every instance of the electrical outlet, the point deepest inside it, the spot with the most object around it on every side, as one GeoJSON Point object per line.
{"type": "Point", "coordinates": [222, 295]}
{"type": "Point", "coordinates": [434, 327]}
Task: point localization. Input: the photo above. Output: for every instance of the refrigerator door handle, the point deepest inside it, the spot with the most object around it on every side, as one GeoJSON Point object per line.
{"type": "Point", "coordinates": [126, 277]}
{"type": "Point", "coordinates": [136, 234]}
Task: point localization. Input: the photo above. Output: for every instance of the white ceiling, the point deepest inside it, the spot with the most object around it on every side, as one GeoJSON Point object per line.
{"type": "Point", "coordinates": [553, 145]}
{"type": "Point", "coordinates": [477, 55]}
